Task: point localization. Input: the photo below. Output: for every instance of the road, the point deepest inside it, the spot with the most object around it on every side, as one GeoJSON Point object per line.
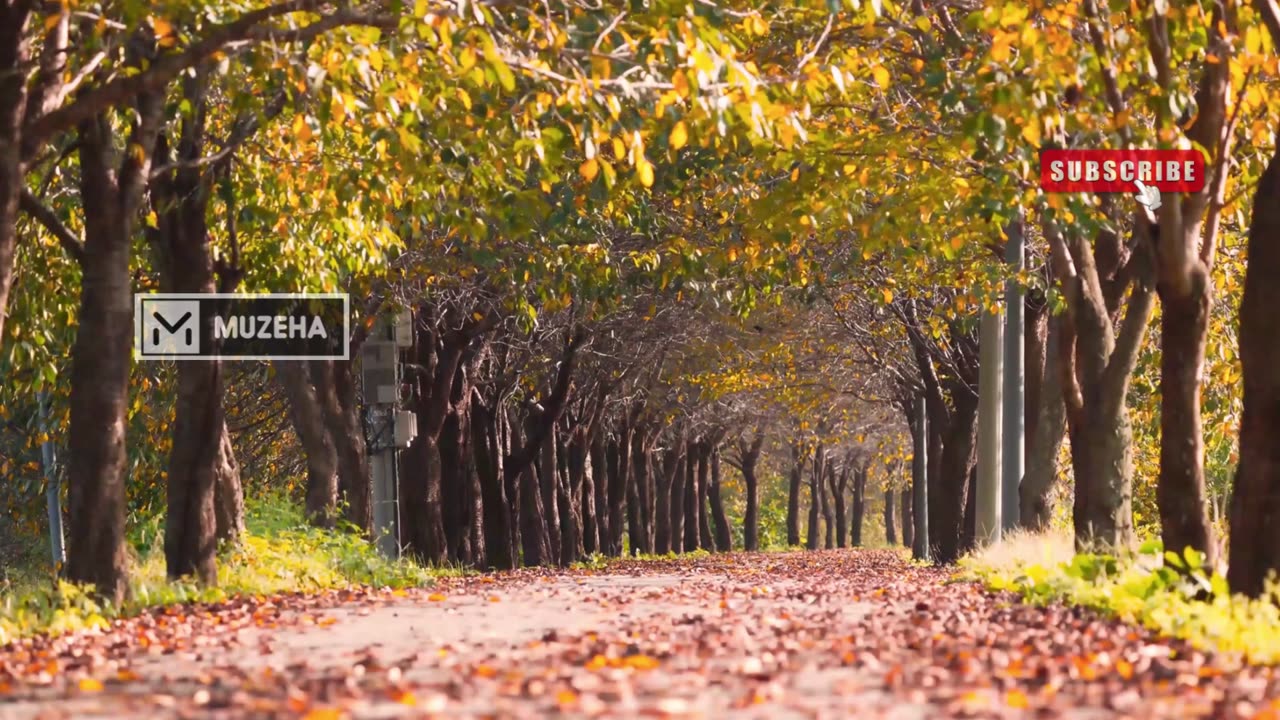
{"type": "Point", "coordinates": [828, 634]}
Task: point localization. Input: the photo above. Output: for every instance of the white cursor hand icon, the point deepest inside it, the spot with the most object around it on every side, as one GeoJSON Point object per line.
{"type": "Point", "coordinates": [1148, 196]}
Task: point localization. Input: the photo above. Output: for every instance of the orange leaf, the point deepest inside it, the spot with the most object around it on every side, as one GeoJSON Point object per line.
{"type": "Point", "coordinates": [1017, 699]}
{"type": "Point", "coordinates": [641, 662]}
{"type": "Point", "coordinates": [566, 699]}
{"type": "Point", "coordinates": [404, 697]}
{"type": "Point", "coordinates": [436, 597]}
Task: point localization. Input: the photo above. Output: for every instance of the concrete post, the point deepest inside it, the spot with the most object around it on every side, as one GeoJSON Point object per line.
{"type": "Point", "coordinates": [1014, 413]}
{"type": "Point", "coordinates": [990, 375]}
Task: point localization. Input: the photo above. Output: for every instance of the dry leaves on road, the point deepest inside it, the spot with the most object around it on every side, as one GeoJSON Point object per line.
{"type": "Point", "coordinates": [820, 634]}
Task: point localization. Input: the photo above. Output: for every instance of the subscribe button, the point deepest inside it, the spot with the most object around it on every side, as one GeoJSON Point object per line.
{"type": "Point", "coordinates": [1180, 171]}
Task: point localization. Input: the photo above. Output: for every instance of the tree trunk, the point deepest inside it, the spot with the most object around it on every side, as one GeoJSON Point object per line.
{"type": "Point", "coordinates": [317, 446]}
{"type": "Point", "coordinates": [570, 514]}
{"type": "Point", "coordinates": [1046, 438]}
{"type": "Point", "coordinates": [621, 490]}
{"type": "Point", "coordinates": [815, 502]}
{"type": "Point", "coordinates": [487, 450]}
{"type": "Point", "coordinates": [693, 519]}
{"type": "Point", "coordinates": [436, 357]}
{"type": "Point", "coordinates": [629, 464]}
{"type": "Point", "coordinates": [721, 533]}
{"type": "Point", "coordinates": [1097, 363]}
{"type": "Point", "coordinates": [228, 495]}
{"type": "Point", "coordinates": [100, 357]}
{"type": "Point", "coordinates": [1180, 488]}
{"type": "Point", "coordinates": [750, 454]}
{"type": "Point", "coordinates": [533, 525]}
{"type": "Point", "coordinates": [956, 466]}
{"type": "Point", "coordinates": [793, 495]}
{"type": "Point", "coordinates": [601, 477]}
{"type": "Point", "coordinates": [908, 523]}
{"type": "Point", "coordinates": [969, 536]}
{"type": "Point", "coordinates": [190, 537]}
{"type": "Point", "coordinates": [15, 73]}
{"type": "Point", "coordinates": [548, 485]}
{"type": "Point", "coordinates": [1255, 498]}
{"type": "Point", "coordinates": [671, 527]}
{"type": "Point", "coordinates": [642, 481]}
{"type": "Point", "coordinates": [461, 504]}
{"type": "Point", "coordinates": [859, 504]}
{"type": "Point", "coordinates": [342, 416]}
{"type": "Point", "coordinates": [582, 483]}
{"type": "Point", "coordinates": [821, 470]}
{"type": "Point", "coordinates": [181, 240]}
{"type": "Point", "coordinates": [706, 540]}
{"type": "Point", "coordinates": [421, 524]}
{"type": "Point", "coordinates": [890, 522]}
{"type": "Point", "coordinates": [839, 483]}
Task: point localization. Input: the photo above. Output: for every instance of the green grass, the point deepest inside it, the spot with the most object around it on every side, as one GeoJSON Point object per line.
{"type": "Point", "coordinates": [279, 553]}
{"type": "Point", "coordinates": [1171, 594]}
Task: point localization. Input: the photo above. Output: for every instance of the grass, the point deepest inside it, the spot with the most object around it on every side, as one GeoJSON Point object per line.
{"type": "Point", "coordinates": [279, 553]}
{"type": "Point", "coordinates": [1172, 595]}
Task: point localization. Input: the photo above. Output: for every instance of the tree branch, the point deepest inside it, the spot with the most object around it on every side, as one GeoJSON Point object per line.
{"type": "Point", "coordinates": [167, 67]}
{"type": "Point", "coordinates": [43, 214]}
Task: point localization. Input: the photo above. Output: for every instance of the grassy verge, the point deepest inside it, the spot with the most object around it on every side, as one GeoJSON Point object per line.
{"type": "Point", "coordinates": [1168, 593]}
{"type": "Point", "coordinates": [280, 553]}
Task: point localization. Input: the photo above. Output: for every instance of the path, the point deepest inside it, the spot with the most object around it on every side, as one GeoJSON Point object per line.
{"type": "Point", "coordinates": [799, 635]}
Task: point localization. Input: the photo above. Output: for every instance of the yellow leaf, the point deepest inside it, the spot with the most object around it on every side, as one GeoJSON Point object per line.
{"type": "Point", "coordinates": [435, 597]}
{"type": "Point", "coordinates": [888, 295]}
{"type": "Point", "coordinates": [301, 130]}
{"type": "Point", "coordinates": [881, 76]}
{"type": "Point", "coordinates": [619, 150]}
{"type": "Point", "coordinates": [1031, 132]}
{"type": "Point", "coordinates": [589, 169]}
{"type": "Point", "coordinates": [679, 136]}
{"type": "Point", "coordinates": [1017, 699]}
{"type": "Point", "coordinates": [644, 170]}
{"type": "Point", "coordinates": [90, 685]}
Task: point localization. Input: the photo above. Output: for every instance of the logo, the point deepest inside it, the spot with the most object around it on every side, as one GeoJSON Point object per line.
{"type": "Point", "coordinates": [169, 327]}
{"type": "Point", "coordinates": [242, 326]}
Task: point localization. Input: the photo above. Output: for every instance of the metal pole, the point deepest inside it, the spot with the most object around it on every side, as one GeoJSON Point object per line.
{"type": "Point", "coordinates": [988, 499]}
{"type": "Point", "coordinates": [1014, 416]}
{"type": "Point", "coordinates": [52, 485]}
{"type": "Point", "coordinates": [920, 482]}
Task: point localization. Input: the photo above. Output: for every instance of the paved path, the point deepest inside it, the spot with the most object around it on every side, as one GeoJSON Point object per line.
{"type": "Point", "coordinates": [799, 635]}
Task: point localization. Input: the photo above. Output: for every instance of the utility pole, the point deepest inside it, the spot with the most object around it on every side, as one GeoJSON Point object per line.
{"type": "Point", "coordinates": [920, 482]}
{"type": "Point", "coordinates": [1015, 407]}
{"type": "Point", "coordinates": [391, 429]}
{"type": "Point", "coordinates": [52, 484]}
{"type": "Point", "coordinates": [990, 375]}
